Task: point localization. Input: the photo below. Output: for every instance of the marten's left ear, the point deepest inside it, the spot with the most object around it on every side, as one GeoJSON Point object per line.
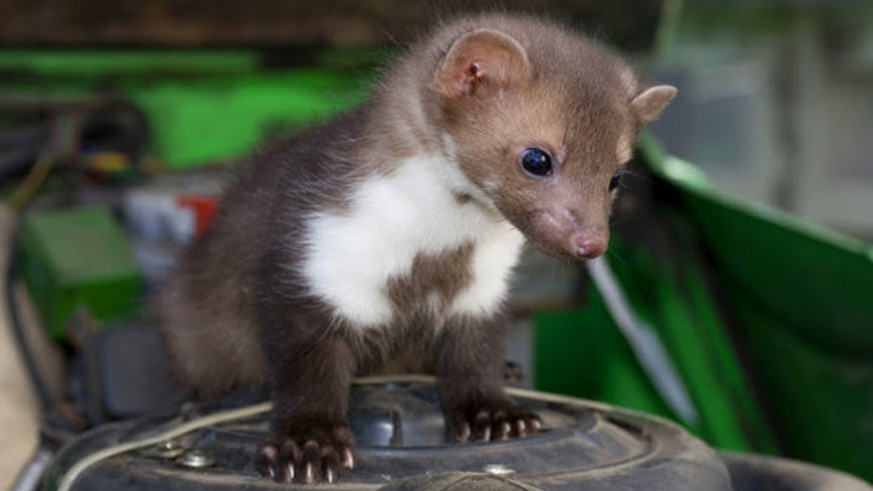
{"type": "Point", "coordinates": [650, 102]}
{"type": "Point", "coordinates": [482, 63]}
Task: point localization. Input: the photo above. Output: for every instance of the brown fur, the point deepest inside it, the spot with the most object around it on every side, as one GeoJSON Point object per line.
{"type": "Point", "coordinates": [239, 311]}
{"type": "Point", "coordinates": [442, 276]}
{"type": "Point", "coordinates": [579, 112]}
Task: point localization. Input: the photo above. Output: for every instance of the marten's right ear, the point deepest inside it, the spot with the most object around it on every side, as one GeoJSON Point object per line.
{"type": "Point", "coordinates": [649, 104]}
{"type": "Point", "coordinates": [482, 63]}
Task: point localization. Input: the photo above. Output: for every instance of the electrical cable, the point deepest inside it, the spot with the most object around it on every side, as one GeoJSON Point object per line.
{"type": "Point", "coordinates": [60, 136]}
{"type": "Point", "coordinates": [32, 182]}
{"type": "Point", "coordinates": [17, 202]}
{"type": "Point", "coordinates": [81, 466]}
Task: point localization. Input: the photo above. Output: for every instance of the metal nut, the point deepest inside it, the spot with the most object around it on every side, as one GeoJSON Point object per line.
{"type": "Point", "coordinates": [168, 450]}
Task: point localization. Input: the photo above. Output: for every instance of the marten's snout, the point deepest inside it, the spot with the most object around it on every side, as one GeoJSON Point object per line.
{"type": "Point", "coordinates": [562, 232]}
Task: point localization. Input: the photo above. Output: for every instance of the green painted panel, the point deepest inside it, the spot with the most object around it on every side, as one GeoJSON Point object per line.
{"type": "Point", "coordinates": [202, 105]}
{"type": "Point", "coordinates": [79, 257]}
{"type": "Point", "coordinates": [220, 118]}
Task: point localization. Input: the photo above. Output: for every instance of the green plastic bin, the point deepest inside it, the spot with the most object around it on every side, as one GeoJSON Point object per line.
{"type": "Point", "coordinates": [768, 319]}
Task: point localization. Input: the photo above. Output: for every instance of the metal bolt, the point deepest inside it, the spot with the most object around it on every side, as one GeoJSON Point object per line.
{"type": "Point", "coordinates": [196, 459]}
{"type": "Point", "coordinates": [498, 469]}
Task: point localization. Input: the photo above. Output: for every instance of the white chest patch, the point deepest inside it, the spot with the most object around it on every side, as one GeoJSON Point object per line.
{"type": "Point", "coordinates": [349, 258]}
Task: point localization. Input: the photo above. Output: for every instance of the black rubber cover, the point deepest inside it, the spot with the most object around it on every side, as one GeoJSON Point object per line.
{"type": "Point", "coordinates": [402, 445]}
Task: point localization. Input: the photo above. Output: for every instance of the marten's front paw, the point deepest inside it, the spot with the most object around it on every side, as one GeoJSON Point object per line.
{"type": "Point", "coordinates": [314, 455]}
{"type": "Point", "coordinates": [493, 421]}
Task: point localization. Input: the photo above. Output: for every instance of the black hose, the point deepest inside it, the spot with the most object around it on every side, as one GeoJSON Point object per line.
{"type": "Point", "coordinates": [17, 161]}
{"type": "Point", "coordinates": [40, 387]}
{"type": "Point", "coordinates": [20, 146]}
{"type": "Point", "coordinates": [31, 135]}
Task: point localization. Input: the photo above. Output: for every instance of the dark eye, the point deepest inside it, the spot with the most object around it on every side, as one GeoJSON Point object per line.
{"type": "Point", "coordinates": [536, 161]}
{"type": "Point", "coordinates": [616, 179]}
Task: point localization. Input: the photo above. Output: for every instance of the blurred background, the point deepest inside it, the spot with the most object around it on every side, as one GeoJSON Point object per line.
{"type": "Point", "coordinates": [742, 244]}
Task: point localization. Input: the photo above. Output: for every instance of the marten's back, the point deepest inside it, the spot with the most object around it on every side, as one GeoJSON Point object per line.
{"type": "Point", "coordinates": [207, 310]}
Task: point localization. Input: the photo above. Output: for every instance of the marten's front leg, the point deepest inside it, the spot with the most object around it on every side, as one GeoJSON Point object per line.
{"type": "Point", "coordinates": [469, 363]}
{"type": "Point", "coordinates": [310, 378]}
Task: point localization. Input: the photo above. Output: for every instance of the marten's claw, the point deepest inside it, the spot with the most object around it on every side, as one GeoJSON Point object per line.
{"type": "Point", "coordinates": [492, 424]}
{"type": "Point", "coordinates": [318, 457]}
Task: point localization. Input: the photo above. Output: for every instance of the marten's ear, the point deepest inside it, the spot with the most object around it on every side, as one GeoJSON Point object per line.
{"type": "Point", "coordinates": [650, 102]}
{"type": "Point", "coordinates": [482, 63]}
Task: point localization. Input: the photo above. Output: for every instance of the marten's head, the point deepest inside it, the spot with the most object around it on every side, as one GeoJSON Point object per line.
{"type": "Point", "coordinates": [542, 123]}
